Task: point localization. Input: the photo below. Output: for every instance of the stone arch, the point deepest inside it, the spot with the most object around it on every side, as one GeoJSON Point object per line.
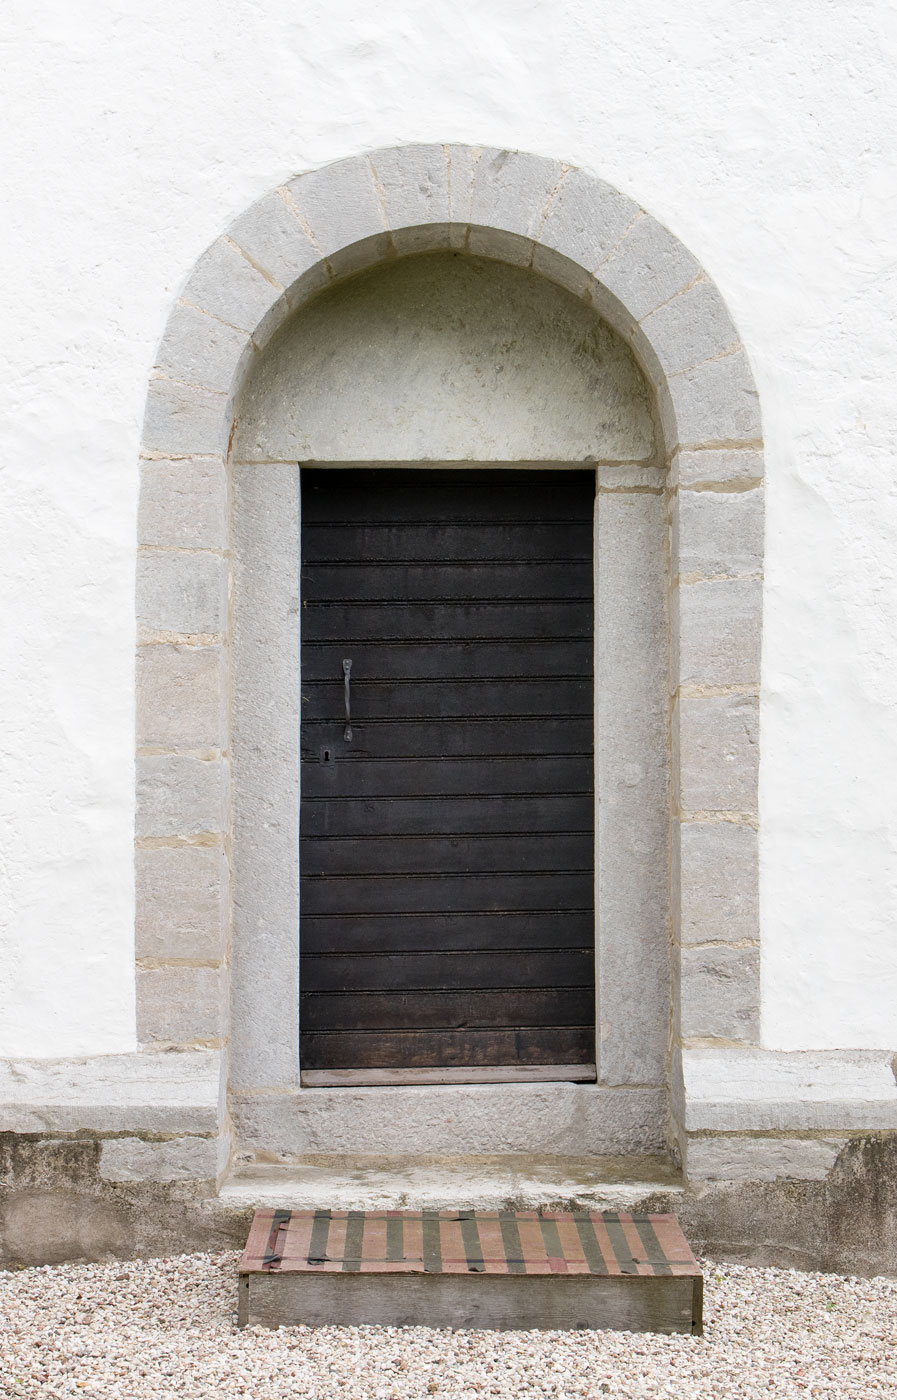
{"type": "Point", "coordinates": [574, 230]}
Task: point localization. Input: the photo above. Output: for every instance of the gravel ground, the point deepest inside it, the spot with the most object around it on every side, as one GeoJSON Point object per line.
{"type": "Point", "coordinates": [165, 1328]}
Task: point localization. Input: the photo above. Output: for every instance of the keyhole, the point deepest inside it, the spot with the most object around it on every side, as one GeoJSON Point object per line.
{"type": "Point", "coordinates": [325, 756]}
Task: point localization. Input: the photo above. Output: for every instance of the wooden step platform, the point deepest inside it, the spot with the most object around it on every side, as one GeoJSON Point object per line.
{"type": "Point", "coordinates": [470, 1268]}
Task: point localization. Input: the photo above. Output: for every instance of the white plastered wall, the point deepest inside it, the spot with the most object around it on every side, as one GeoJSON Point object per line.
{"type": "Point", "coordinates": [759, 135]}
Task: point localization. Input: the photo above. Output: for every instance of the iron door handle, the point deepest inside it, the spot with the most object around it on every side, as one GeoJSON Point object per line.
{"type": "Point", "coordinates": [347, 678]}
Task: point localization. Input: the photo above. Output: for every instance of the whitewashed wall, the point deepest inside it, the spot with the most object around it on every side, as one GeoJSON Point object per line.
{"type": "Point", "coordinates": [761, 134]}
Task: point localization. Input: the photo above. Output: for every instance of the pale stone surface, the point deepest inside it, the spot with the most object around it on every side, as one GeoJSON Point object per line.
{"type": "Point", "coordinates": [573, 1119]}
{"type": "Point", "coordinates": [179, 1005]}
{"type": "Point", "coordinates": [690, 328]}
{"type": "Point", "coordinates": [719, 890]}
{"type": "Point", "coordinates": [716, 738]}
{"type": "Point", "coordinates": [752, 1090]}
{"type": "Point", "coordinates": [412, 362]}
{"type": "Point", "coordinates": [183, 503]}
{"type": "Point", "coordinates": [182, 902]}
{"type": "Point", "coordinates": [716, 632]}
{"type": "Point", "coordinates": [184, 420]}
{"type": "Point", "coordinates": [720, 993]}
{"type": "Point", "coordinates": [175, 1092]}
{"type": "Point", "coordinates": [340, 203]}
{"type": "Point", "coordinates": [622, 476]}
{"type": "Point", "coordinates": [200, 349]}
{"type": "Point", "coordinates": [761, 1159]}
{"type": "Point", "coordinates": [412, 1183]}
{"type": "Point", "coordinates": [414, 186]}
{"type": "Point", "coordinates": [264, 965]}
{"type": "Point", "coordinates": [181, 593]}
{"type": "Point", "coordinates": [737, 469]}
{"type": "Point", "coordinates": [633, 789]}
{"type": "Point", "coordinates": [177, 1159]}
{"type": "Point", "coordinates": [512, 191]}
{"type": "Point", "coordinates": [225, 283]}
{"type": "Point", "coordinates": [717, 533]}
{"type": "Point", "coordinates": [181, 796]}
{"type": "Point", "coordinates": [647, 267]}
{"type": "Point", "coordinates": [270, 232]}
{"type": "Point", "coordinates": [586, 219]}
{"type": "Point", "coordinates": [713, 403]}
{"type": "Point", "coordinates": [181, 697]}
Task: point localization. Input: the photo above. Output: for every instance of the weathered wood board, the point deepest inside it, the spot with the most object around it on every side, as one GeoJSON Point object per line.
{"type": "Point", "coordinates": [479, 1269]}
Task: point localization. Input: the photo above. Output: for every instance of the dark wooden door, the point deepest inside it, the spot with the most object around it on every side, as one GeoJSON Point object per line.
{"type": "Point", "coordinates": [447, 849]}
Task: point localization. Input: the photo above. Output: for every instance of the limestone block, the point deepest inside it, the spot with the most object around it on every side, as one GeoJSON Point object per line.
{"type": "Point", "coordinates": [512, 248]}
{"type": "Point", "coordinates": [512, 191]}
{"type": "Point", "coordinates": [183, 504]}
{"type": "Point", "coordinates": [341, 204]}
{"type": "Point", "coordinates": [632, 779]}
{"type": "Point", "coordinates": [414, 186]}
{"type": "Point", "coordinates": [140, 1093]}
{"type": "Point", "coordinates": [720, 993]}
{"type": "Point", "coordinates": [733, 1158]}
{"type": "Point", "coordinates": [717, 534]}
{"type": "Point", "coordinates": [270, 232]}
{"type": "Point", "coordinates": [586, 220]}
{"type": "Point", "coordinates": [182, 899]}
{"type": "Point", "coordinates": [716, 400]}
{"type": "Point", "coordinates": [626, 476]}
{"type": "Point", "coordinates": [716, 740]}
{"type": "Point", "coordinates": [264, 1040]}
{"type": "Point", "coordinates": [200, 349]}
{"type": "Point", "coordinates": [184, 420]}
{"type": "Point", "coordinates": [690, 328]}
{"type": "Point", "coordinates": [647, 267]}
{"type": "Point", "coordinates": [180, 594]}
{"type": "Point", "coordinates": [181, 699]}
{"type": "Point", "coordinates": [181, 796]}
{"type": "Point", "coordinates": [716, 632]}
{"type": "Point", "coordinates": [719, 883]}
{"type": "Point", "coordinates": [572, 1119]}
{"type": "Point", "coordinates": [180, 1005]}
{"type": "Point", "coordinates": [225, 283]}
{"type": "Point", "coordinates": [177, 1159]}
{"type": "Point", "coordinates": [752, 1090]}
{"type": "Point", "coordinates": [737, 468]}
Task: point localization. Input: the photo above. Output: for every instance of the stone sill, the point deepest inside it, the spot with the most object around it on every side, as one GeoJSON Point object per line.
{"type": "Point", "coordinates": [155, 1092]}
{"type": "Point", "coordinates": [748, 1090]}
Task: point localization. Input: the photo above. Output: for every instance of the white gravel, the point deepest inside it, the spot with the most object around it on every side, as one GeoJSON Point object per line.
{"type": "Point", "coordinates": [165, 1328]}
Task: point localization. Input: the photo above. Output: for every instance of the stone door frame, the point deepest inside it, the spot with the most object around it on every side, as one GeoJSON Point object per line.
{"type": "Point", "coordinates": [579, 232]}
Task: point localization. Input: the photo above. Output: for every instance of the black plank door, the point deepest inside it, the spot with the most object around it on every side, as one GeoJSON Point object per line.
{"type": "Point", "coordinates": [447, 848]}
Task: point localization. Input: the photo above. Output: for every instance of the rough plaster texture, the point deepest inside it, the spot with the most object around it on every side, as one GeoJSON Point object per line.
{"type": "Point", "coordinates": [479, 361]}
{"type": "Point", "coordinates": [760, 135]}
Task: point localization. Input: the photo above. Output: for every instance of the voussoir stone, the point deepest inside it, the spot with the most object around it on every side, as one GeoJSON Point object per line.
{"type": "Point", "coordinates": [340, 204]}
{"type": "Point", "coordinates": [225, 283]}
{"type": "Point", "coordinates": [270, 233]}
{"type": "Point", "coordinates": [200, 349]}
{"type": "Point", "coordinates": [586, 220]}
{"type": "Point", "coordinates": [690, 328]}
{"type": "Point", "coordinates": [716, 402]}
{"type": "Point", "coordinates": [647, 267]}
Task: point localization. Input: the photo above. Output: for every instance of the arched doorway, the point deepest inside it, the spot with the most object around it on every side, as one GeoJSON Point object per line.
{"type": "Point", "coordinates": [578, 235]}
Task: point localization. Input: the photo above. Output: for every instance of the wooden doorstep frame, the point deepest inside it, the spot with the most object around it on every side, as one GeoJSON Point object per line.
{"type": "Point", "coordinates": [492, 1074]}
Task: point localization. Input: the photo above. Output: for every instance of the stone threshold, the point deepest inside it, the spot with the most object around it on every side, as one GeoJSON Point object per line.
{"type": "Point", "coordinates": [509, 1181]}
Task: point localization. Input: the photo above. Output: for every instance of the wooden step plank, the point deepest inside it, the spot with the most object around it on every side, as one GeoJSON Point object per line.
{"type": "Point", "coordinates": [468, 1268]}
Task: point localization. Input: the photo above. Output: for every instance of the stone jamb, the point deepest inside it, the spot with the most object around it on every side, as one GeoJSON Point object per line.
{"type": "Point", "coordinates": [583, 234]}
